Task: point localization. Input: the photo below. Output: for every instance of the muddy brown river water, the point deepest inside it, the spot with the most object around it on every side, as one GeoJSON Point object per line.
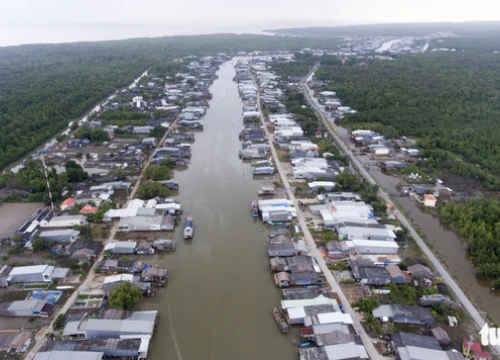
{"type": "Point", "coordinates": [219, 298]}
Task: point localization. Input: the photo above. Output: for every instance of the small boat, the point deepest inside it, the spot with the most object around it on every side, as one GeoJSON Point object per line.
{"type": "Point", "coordinates": [188, 228]}
{"type": "Point", "coordinates": [304, 343]}
{"type": "Point", "coordinates": [280, 320]}
{"type": "Point", "coordinates": [255, 209]}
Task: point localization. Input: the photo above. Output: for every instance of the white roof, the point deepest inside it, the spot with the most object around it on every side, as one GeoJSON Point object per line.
{"type": "Point", "coordinates": [169, 206]}
{"type": "Point", "coordinates": [321, 183]}
{"type": "Point", "coordinates": [346, 351]}
{"type": "Point", "coordinates": [69, 355]}
{"type": "Point", "coordinates": [135, 203]}
{"type": "Point", "coordinates": [120, 213]}
{"type": "Point", "coordinates": [296, 313]}
{"type": "Point", "coordinates": [121, 244]}
{"type": "Point", "coordinates": [22, 270]}
{"type": "Point", "coordinates": [418, 353]}
{"type": "Point", "coordinates": [119, 277]}
{"type": "Point", "coordinates": [151, 203]}
{"type": "Point", "coordinates": [272, 202]}
{"type": "Point", "coordinates": [320, 300]}
{"type": "Point", "coordinates": [334, 317]}
{"type": "Point", "coordinates": [376, 243]}
{"type": "Point", "coordinates": [32, 227]}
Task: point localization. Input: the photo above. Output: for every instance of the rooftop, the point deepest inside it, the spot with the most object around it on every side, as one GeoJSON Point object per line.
{"type": "Point", "coordinates": [68, 355]}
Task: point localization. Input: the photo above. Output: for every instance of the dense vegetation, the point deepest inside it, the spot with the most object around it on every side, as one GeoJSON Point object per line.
{"type": "Point", "coordinates": [121, 116]}
{"type": "Point", "coordinates": [478, 220]}
{"type": "Point", "coordinates": [43, 86]}
{"type": "Point", "coordinates": [450, 101]}
{"type": "Point", "coordinates": [97, 134]}
{"type": "Point", "coordinates": [295, 69]}
{"type": "Point", "coordinates": [32, 178]}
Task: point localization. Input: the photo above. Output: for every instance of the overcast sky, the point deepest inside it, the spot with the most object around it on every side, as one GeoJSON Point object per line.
{"type": "Point", "coordinates": [208, 16]}
{"type": "Point", "coordinates": [27, 12]}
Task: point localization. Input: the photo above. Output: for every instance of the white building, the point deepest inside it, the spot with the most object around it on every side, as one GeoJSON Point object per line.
{"type": "Point", "coordinates": [64, 221]}
{"type": "Point", "coordinates": [327, 185]}
{"type": "Point", "coordinates": [121, 247]}
{"type": "Point", "coordinates": [31, 274]}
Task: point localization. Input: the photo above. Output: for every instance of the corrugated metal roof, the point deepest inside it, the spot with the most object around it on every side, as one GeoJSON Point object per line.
{"type": "Point", "coordinates": [68, 355]}
{"type": "Point", "coordinates": [35, 269]}
{"type": "Point", "coordinates": [418, 353]}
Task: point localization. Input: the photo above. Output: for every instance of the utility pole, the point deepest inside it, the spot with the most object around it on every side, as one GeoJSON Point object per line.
{"type": "Point", "coordinates": [47, 179]}
{"type": "Point", "coordinates": [468, 347]}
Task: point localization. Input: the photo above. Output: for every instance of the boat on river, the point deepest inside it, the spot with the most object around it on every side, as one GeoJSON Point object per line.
{"type": "Point", "coordinates": [254, 207]}
{"type": "Point", "coordinates": [304, 343]}
{"type": "Point", "coordinates": [188, 228]}
{"type": "Point", "coordinates": [280, 320]}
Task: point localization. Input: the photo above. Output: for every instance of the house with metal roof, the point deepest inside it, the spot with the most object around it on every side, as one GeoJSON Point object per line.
{"type": "Point", "coordinates": [347, 351]}
{"type": "Point", "coordinates": [299, 315]}
{"type": "Point", "coordinates": [293, 264]}
{"type": "Point", "coordinates": [64, 221]}
{"type": "Point", "coordinates": [441, 336]}
{"type": "Point", "coordinates": [69, 355]}
{"type": "Point", "coordinates": [420, 353]}
{"type": "Point", "coordinates": [420, 271]}
{"type": "Point", "coordinates": [284, 279]}
{"type": "Point", "coordinates": [312, 332]}
{"type": "Point", "coordinates": [402, 339]}
{"type": "Point", "coordinates": [140, 323]}
{"type": "Point", "coordinates": [404, 314]}
{"type": "Point", "coordinates": [121, 247]}
{"type": "Point", "coordinates": [31, 274]}
{"type": "Point", "coordinates": [319, 300]}
{"type": "Point", "coordinates": [397, 275]}
{"type": "Point", "coordinates": [60, 236]}
{"type": "Point", "coordinates": [111, 282]}
{"type": "Point", "coordinates": [112, 348]}
{"type": "Point", "coordinates": [26, 308]}
{"type": "Point", "coordinates": [145, 223]}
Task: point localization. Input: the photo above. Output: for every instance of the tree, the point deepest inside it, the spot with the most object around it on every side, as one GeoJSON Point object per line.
{"type": "Point", "coordinates": [367, 304]}
{"type": "Point", "coordinates": [59, 322]}
{"type": "Point", "coordinates": [124, 296]}
{"type": "Point", "coordinates": [40, 245]}
{"type": "Point", "coordinates": [75, 172]}
{"type": "Point", "coordinates": [372, 324]}
{"type": "Point", "coordinates": [157, 173]}
{"type": "Point", "coordinates": [152, 189]}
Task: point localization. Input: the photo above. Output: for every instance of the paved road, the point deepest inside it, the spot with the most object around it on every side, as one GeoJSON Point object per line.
{"type": "Point", "coordinates": [442, 271]}
{"type": "Point", "coordinates": [40, 336]}
{"type": "Point", "coordinates": [367, 342]}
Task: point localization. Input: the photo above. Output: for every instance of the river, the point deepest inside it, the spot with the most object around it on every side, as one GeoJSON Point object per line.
{"type": "Point", "coordinates": [219, 298]}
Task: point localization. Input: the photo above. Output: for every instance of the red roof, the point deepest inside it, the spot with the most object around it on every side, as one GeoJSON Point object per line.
{"type": "Point", "coordinates": [429, 197]}
{"type": "Point", "coordinates": [88, 209]}
{"type": "Point", "coordinates": [476, 349]}
{"type": "Point", "coordinates": [68, 202]}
